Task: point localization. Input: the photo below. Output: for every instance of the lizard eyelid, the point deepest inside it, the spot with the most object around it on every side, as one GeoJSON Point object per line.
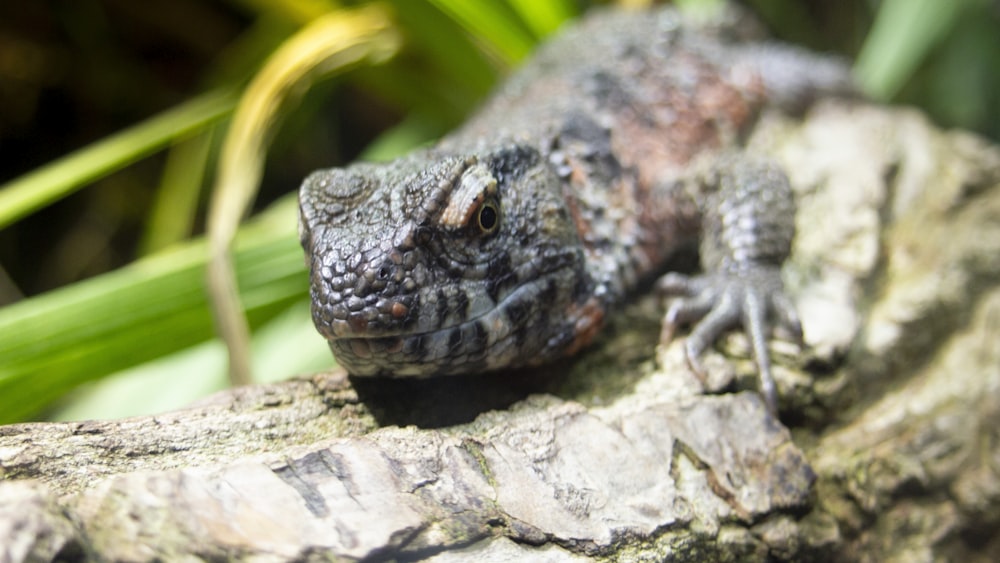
{"type": "Point", "coordinates": [473, 204]}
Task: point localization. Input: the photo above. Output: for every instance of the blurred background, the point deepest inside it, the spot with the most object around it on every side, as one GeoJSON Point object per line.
{"type": "Point", "coordinates": [113, 114]}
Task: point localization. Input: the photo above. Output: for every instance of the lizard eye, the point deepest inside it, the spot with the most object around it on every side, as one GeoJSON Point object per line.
{"type": "Point", "coordinates": [488, 217]}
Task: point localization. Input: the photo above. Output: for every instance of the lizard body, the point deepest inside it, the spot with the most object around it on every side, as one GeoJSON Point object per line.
{"type": "Point", "coordinates": [508, 242]}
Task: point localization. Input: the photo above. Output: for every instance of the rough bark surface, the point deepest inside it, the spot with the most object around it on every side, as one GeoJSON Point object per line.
{"type": "Point", "coordinates": [622, 454]}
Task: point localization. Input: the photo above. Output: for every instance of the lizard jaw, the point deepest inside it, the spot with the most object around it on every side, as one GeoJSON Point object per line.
{"type": "Point", "coordinates": [509, 334]}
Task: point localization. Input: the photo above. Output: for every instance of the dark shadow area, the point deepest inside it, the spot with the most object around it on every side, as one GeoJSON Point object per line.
{"type": "Point", "coordinates": [448, 400]}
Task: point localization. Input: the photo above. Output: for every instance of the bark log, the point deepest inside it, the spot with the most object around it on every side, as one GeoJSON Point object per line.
{"type": "Point", "coordinates": [623, 453]}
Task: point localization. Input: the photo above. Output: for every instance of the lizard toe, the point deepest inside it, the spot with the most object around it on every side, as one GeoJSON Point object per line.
{"type": "Point", "coordinates": [714, 303]}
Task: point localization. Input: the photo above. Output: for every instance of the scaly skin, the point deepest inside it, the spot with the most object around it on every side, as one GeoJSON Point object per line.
{"type": "Point", "coordinates": [509, 242]}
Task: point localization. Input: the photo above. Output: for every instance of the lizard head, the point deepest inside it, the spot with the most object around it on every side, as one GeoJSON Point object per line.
{"type": "Point", "coordinates": [440, 263]}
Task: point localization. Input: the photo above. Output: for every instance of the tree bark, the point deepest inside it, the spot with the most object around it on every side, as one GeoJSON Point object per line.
{"type": "Point", "coordinates": [887, 448]}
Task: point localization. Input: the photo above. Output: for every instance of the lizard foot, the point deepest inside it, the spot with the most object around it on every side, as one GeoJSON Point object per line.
{"type": "Point", "coordinates": [718, 301]}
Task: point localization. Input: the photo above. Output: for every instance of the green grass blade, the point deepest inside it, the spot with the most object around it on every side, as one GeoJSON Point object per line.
{"type": "Point", "coordinates": [446, 44]}
{"type": "Point", "coordinates": [544, 17]}
{"type": "Point", "coordinates": [903, 33]}
{"type": "Point", "coordinates": [285, 346]}
{"type": "Point", "coordinates": [173, 214]}
{"type": "Point", "coordinates": [51, 343]}
{"type": "Point", "coordinates": [53, 181]}
{"type": "Point", "coordinates": [493, 22]}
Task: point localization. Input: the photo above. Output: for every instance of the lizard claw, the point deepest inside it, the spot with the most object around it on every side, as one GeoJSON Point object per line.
{"type": "Point", "coordinates": [719, 301]}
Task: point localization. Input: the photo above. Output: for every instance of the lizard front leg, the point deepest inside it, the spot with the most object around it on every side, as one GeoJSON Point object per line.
{"type": "Point", "coordinates": [747, 229]}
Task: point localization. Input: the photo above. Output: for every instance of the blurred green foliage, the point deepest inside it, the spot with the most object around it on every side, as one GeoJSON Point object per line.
{"type": "Point", "coordinates": [101, 254]}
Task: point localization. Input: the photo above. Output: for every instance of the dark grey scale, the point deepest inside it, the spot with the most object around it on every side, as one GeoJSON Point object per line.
{"type": "Point", "coordinates": [542, 317]}
{"type": "Point", "coordinates": [530, 319]}
{"type": "Point", "coordinates": [499, 276]}
{"type": "Point", "coordinates": [462, 304]}
{"type": "Point", "coordinates": [550, 293]}
{"type": "Point", "coordinates": [450, 313]}
{"type": "Point", "coordinates": [510, 162]}
{"type": "Point", "coordinates": [456, 340]}
{"type": "Point", "coordinates": [478, 339]}
{"type": "Point", "coordinates": [442, 305]}
{"type": "Point", "coordinates": [606, 90]}
{"type": "Point", "coordinates": [415, 347]}
{"type": "Point", "coordinates": [583, 287]}
{"type": "Point", "coordinates": [518, 312]}
{"type": "Point", "coordinates": [583, 132]}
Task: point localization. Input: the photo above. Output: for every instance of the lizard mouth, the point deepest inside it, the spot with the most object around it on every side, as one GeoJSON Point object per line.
{"type": "Point", "coordinates": [423, 354]}
{"type": "Point", "coordinates": [502, 335]}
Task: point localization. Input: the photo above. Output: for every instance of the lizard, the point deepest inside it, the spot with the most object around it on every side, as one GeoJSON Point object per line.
{"type": "Point", "coordinates": [510, 241]}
